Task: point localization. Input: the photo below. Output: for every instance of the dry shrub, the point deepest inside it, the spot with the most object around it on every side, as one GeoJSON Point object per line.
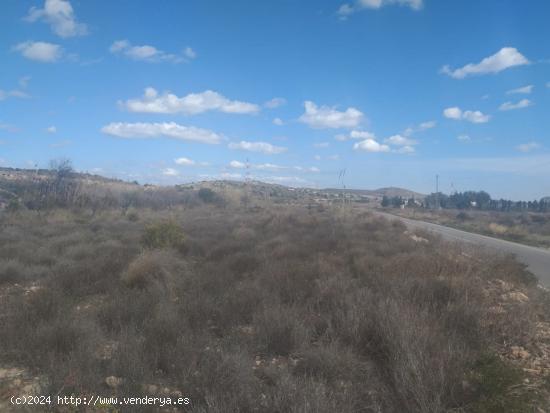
{"type": "Point", "coordinates": [152, 268]}
{"type": "Point", "coordinates": [279, 331]}
{"type": "Point", "coordinates": [164, 234]}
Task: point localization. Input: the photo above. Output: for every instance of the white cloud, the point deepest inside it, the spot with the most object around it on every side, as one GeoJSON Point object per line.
{"type": "Point", "coordinates": [428, 125]}
{"type": "Point", "coordinates": [278, 122]}
{"type": "Point", "coordinates": [453, 113]}
{"type": "Point", "coordinates": [40, 51]}
{"type": "Point", "coordinates": [166, 129]}
{"type": "Point", "coordinates": [464, 138]}
{"type": "Point", "coordinates": [321, 145]}
{"type": "Point", "coordinates": [170, 172]}
{"type": "Point", "coordinates": [262, 147]}
{"type": "Point", "coordinates": [355, 134]}
{"type": "Point", "coordinates": [51, 129]}
{"type": "Point", "coordinates": [370, 145]}
{"type": "Point", "coordinates": [420, 128]}
{"type": "Point", "coordinates": [285, 179]}
{"type": "Point", "coordinates": [275, 103]}
{"type": "Point", "coordinates": [325, 117]}
{"type": "Point", "coordinates": [528, 147]}
{"type": "Point", "coordinates": [229, 175]}
{"type": "Point", "coordinates": [184, 161]}
{"type": "Point", "coordinates": [471, 116]}
{"type": "Point", "coordinates": [398, 140]}
{"type": "Point", "coordinates": [475, 116]}
{"type": "Point", "coordinates": [505, 58]}
{"type": "Point", "coordinates": [60, 16]}
{"type": "Point", "coordinates": [335, 157]}
{"type": "Point", "coordinates": [317, 157]}
{"type": "Point", "coordinates": [148, 53]}
{"type": "Point", "coordinates": [347, 9]}
{"type": "Point", "coordinates": [190, 53]}
{"type": "Point", "coordinates": [269, 167]}
{"type": "Point", "coordinates": [525, 90]}
{"type": "Point", "coordinates": [191, 104]}
{"type": "Point", "coordinates": [523, 103]}
{"type": "Point", "coordinates": [237, 165]}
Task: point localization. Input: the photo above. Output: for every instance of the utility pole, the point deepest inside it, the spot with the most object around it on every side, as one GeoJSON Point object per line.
{"type": "Point", "coordinates": [437, 192]}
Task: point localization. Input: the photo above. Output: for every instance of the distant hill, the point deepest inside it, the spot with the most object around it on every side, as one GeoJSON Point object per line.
{"type": "Point", "coordinates": [379, 193]}
{"type": "Point", "coordinates": [405, 193]}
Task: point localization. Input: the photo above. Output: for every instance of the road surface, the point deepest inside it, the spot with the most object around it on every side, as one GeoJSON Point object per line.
{"type": "Point", "coordinates": [537, 259]}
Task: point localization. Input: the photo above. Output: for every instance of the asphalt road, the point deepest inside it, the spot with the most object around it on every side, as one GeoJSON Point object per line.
{"type": "Point", "coordinates": [537, 259]}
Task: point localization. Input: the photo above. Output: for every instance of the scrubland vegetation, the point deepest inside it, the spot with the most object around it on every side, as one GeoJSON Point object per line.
{"type": "Point", "coordinates": [262, 308]}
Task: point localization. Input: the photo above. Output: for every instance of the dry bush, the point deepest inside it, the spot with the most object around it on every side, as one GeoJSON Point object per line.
{"type": "Point", "coordinates": [164, 234]}
{"type": "Point", "coordinates": [278, 330]}
{"type": "Point", "coordinates": [153, 268]}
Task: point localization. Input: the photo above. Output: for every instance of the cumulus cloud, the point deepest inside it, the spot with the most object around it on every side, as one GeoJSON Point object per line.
{"type": "Point", "coordinates": [528, 147]}
{"type": "Point", "coordinates": [237, 165]}
{"type": "Point", "coordinates": [262, 147]}
{"type": "Point", "coordinates": [523, 103]}
{"type": "Point", "coordinates": [475, 116]}
{"type": "Point", "coordinates": [148, 53]}
{"type": "Point", "coordinates": [191, 104]}
{"type": "Point", "coordinates": [355, 134]}
{"type": "Point", "coordinates": [40, 51]}
{"type": "Point", "coordinates": [370, 145]}
{"type": "Point", "coordinates": [278, 122]}
{"type": "Point", "coordinates": [505, 58]}
{"type": "Point", "coordinates": [275, 103]}
{"type": "Point", "coordinates": [347, 9]}
{"type": "Point", "coordinates": [464, 138]}
{"type": "Point", "coordinates": [525, 90]}
{"type": "Point", "coordinates": [321, 145]}
{"type": "Point", "coordinates": [325, 117]}
{"type": "Point", "coordinates": [60, 16]}
{"type": "Point", "coordinates": [51, 129]}
{"type": "Point", "coordinates": [471, 116]}
{"type": "Point", "coordinates": [428, 125]}
{"type": "Point", "coordinates": [453, 113]}
{"type": "Point", "coordinates": [166, 129]}
{"type": "Point", "coordinates": [185, 161]}
{"type": "Point", "coordinates": [398, 140]}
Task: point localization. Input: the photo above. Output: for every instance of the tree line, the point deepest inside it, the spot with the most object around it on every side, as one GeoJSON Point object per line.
{"type": "Point", "coordinates": [478, 200]}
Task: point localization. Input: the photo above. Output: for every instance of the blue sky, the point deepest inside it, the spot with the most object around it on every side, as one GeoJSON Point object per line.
{"type": "Point", "coordinates": [393, 91]}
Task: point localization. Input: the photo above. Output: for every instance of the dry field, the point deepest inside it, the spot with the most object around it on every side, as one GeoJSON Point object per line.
{"type": "Point", "coordinates": [264, 309]}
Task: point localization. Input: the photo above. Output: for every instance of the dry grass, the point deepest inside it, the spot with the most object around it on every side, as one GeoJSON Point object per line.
{"type": "Point", "coordinates": [272, 310]}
